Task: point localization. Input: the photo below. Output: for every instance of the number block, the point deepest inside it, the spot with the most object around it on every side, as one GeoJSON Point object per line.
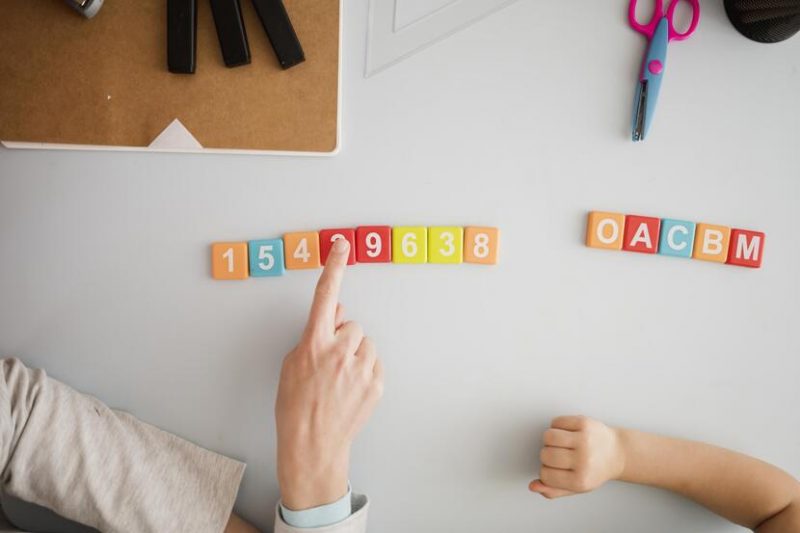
{"type": "Point", "coordinates": [481, 245]}
{"type": "Point", "coordinates": [326, 238]}
{"type": "Point", "coordinates": [604, 230]}
{"type": "Point", "coordinates": [746, 248]}
{"type": "Point", "coordinates": [302, 250]}
{"type": "Point", "coordinates": [410, 244]}
{"type": "Point", "coordinates": [641, 234]}
{"type": "Point", "coordinates": [374, 244]}
{"type": "Point", "coordinates": [266, 258]}
{"type": "Point", "coordinates": [711, 243]}
{"type": "Point", "coordinates": [677, 238]}
{"type": "Point", "coordinates": [229, 260]}
{"type": "Point", "coordinates": [446, 244]}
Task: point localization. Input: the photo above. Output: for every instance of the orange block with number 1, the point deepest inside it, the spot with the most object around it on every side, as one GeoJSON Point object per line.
{"type": "Point", "coordinates": [301, 250]}
{"type": "Point", "coordinates": [481, 245]}
{"type": "Point", "coordinates": [229, 260]}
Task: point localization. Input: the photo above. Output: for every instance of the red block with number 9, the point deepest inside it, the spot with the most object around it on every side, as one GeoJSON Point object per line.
{"type": "Point", "coordinates": [326, 238]}
{"type": "Point", "coordinates": [374, 244]}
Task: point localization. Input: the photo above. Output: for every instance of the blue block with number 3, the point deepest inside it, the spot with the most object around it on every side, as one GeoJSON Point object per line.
{"type": "Point", "coordinates": [266, 258]}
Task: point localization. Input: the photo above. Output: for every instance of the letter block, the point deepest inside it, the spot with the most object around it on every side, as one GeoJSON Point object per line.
{"type": "Point", "coordinates": [746, 248]}
{"type": "Point", "coordinates": [677, 238]}
{"type": "Point", "coordinates": [604, 230]}
{"type": "Point", "coordinates": [711, 243]}
{"type": "Point", "coordinates": [641, 234]}
{"type": "Point", "coordinates": [326, 238]}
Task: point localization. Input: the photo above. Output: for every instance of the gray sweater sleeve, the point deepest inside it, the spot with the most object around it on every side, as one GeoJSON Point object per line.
{"type": "Point", "coordinates": [69, 452]}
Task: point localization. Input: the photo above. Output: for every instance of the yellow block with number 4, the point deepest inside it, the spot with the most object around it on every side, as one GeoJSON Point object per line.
{"type": "Point", "coordinates": [409, 244]}
{"type": "Point", "coordinates": [445, 244]}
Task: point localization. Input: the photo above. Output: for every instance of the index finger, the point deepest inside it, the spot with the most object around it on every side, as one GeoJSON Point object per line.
{"type": "Point", "coordinates": [326, 295]}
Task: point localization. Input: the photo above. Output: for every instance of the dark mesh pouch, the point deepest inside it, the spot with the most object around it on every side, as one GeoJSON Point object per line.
{"type": "Point", "coordinates": [765, 21]}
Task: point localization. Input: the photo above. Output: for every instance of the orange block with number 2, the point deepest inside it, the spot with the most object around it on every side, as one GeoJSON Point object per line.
{"type": "Point", "coordinates": [229, 260]}
{"type": "Point", "coordinates": [481, 245]}
{"type": "Point", "coordinates": [301, 250]}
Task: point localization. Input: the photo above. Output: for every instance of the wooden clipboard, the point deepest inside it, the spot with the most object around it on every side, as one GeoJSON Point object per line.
{"type": "Point", "coordinates": [104, 81]}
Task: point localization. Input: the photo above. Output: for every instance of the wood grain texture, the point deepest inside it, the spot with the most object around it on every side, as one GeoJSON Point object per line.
{"type": "Point", "coordinates": [104, 81]}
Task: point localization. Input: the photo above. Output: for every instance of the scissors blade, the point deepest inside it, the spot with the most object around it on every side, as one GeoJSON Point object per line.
{"type": "Point", "coordinates": [640, 111]}
{"type": "Point", "coordinates": [649, 85]}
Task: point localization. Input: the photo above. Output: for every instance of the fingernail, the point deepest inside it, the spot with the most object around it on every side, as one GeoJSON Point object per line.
{"type": "Point", "coordinates": [340, 246]}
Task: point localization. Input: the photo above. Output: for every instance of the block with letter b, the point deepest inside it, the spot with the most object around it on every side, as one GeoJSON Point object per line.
{"type": "Point", "coordinates": [605, 230]}
{"type": "Point", "coordinates": [229, 260]}
{"type": "Point", "coordinates": [746, 248]}
{"type": "Point", "coordinates": [481, 245]}
{"type": "Point", "coordinates": [374, 244]}
{"type": "Point", "coordinates": [326, 238]}
{"type": "Point", "coordinates": [301, 250]}
{"type": "Point", "coordinates": [711, 243]}
{"type": "Point", "coordinates": [410, 244]}
{"type": "Point", "coordinates": [266, 258]}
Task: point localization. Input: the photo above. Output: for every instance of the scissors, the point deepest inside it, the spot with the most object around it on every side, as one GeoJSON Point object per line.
{"type": "Point", "coordinates": [660, 31]}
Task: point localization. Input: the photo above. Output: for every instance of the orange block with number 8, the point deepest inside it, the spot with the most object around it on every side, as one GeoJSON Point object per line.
{"type": "Point", "coordinates": [481, 245]}
{"type": "Point", "coordinates": [229, 260]}
{"type": "Point", "coordinates": [301, 250]}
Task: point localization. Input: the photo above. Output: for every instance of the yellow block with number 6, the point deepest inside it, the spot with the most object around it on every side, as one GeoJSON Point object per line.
{"type": "Point", "coordinates": [409, 244]}
{"type": "Point", "coordinates": [445, 244]}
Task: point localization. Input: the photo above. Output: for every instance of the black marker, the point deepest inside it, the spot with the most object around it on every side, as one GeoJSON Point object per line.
{"type": "Point", "coordinates": [181, 36]}
{"type": "Point", "coordinates": [231, 32]}
{"type": "Point", "coordinates": [280, 32]}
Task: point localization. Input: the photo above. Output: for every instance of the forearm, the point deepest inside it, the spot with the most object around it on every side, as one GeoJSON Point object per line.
{"type": "Point", "coordinates": [70, 453]}
{"type": "Point", "coordinates": [742, 489]}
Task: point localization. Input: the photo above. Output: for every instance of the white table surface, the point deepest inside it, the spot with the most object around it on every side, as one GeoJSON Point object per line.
{"type": "Point", "coordinates": [519, 121]}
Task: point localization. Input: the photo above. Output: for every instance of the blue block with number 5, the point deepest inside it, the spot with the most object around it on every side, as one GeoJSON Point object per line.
{"type": "Point", "coordinates": [266, 258]}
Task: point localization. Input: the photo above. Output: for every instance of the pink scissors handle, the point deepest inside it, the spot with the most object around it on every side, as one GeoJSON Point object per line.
{"type": "Point", "coordinates": [675, 35]}
{"type": "Point", "coordinates": [658, 13]}
{"type": "Point", "coordinates": [650, 28]}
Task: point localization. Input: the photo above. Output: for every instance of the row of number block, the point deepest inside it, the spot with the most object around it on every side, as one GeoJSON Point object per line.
{"type": "Point", "coordinates": [368, 244]}
{"type": "Point", "coordinates": [677, 238]}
